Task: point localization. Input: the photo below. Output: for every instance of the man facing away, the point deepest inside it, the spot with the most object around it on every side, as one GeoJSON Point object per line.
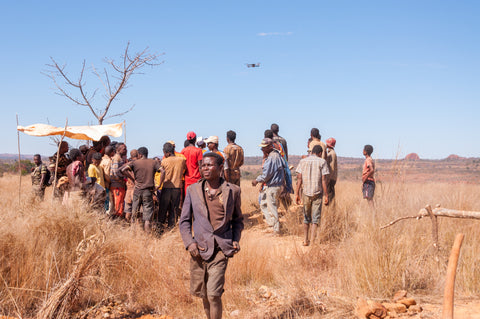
{"type": "Point", "coordinates": [193, 156]}
{"type": "Point", "coordinates": [332, 165]}
{"type": "Point", "coordinates": [169, 201]}
{"type": "Point", "coordinates": [277, 138]}
{"type": "Point", "coordinates": [143, 169]}
{"type": "Point", "coordinates": [211, 225]}
{"type": "Point", "coordinates": [234, 158]}
{"type": "Point", "coordinates": [39, 176]}
{"type": "Point", "coordinates": [368, 178]}
{"type": "Point", "coordinates": [312, 174]}
{"type": "Point", "coordinates": [273, 178]}
{"type": "Point", "coordinates": [117, 180]}
{"type": "Point", "coordinates": [316, 140]}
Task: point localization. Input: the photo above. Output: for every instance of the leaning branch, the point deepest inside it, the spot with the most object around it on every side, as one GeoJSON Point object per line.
{"type": "Point", "coordinates": [399, 219]}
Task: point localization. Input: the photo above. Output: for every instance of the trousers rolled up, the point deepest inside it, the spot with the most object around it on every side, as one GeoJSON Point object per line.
{"type": "Point", "coordinates": [269, 206]}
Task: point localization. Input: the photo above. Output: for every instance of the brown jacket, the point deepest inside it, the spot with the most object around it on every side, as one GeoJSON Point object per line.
{"type": "Point", "coordinates": [195, 217]}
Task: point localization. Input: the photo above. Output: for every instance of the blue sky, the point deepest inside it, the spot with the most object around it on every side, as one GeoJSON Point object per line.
{"type": "Point", "coordinates": [400, 75]}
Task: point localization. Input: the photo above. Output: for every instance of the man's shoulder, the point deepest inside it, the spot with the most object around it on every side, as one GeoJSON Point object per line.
{"type": "Point", "coordinates": [195, 188]}
{"type": "Point", "coordinates": [191, 150]}
{"type": "Point", "coordinates": [314, 159]}
{"type": "Point", "coordinates": [173, 160]}
{"type": "Point", "coordinates": [274, 153]}
{"type": "Point", "coordinates": [235, 188]}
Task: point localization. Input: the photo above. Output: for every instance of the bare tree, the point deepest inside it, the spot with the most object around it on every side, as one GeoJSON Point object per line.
{"type": "Point", "coordinates": [121, 72]}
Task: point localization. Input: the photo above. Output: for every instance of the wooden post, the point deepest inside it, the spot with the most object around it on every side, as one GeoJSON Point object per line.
{"type": "Point", "coordinates": [124, 132]}
{"type": "Point", "coordinates": [19, 167]}
{"type": "Point", "coordinates": [56, 162]}
{"type": "Point", "coordinates": [433, 218]}
{"type": "Point", "coordinates": [450, 282]}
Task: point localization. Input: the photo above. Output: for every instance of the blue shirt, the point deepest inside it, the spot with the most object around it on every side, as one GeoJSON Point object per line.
{"type": "Point", "coordinates": [273, 173]}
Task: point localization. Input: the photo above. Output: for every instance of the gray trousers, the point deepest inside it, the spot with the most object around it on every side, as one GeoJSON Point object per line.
{"type": "Point", "coordinates": [269, 205]}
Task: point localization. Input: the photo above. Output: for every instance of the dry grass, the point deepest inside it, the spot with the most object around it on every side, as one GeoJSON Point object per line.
{"type": "Point", "coordinates": [54, 261]}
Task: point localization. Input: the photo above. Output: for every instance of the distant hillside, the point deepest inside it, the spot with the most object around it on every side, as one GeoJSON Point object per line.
{"type": "Point", "coordinates": [13, 157]}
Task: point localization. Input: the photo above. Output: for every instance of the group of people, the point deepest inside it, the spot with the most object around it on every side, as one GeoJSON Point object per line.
{"type": "Point", "coordinates": [199, 188]}
{"type": "Point", "coordinates": [133, 186]}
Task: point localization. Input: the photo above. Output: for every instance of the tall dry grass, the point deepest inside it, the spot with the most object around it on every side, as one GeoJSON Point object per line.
{"type": "Point", "coordinates": [55, 261]}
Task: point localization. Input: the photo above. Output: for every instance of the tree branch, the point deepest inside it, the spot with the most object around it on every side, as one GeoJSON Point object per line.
{"type": "Point", "coordinates": [128, 66]}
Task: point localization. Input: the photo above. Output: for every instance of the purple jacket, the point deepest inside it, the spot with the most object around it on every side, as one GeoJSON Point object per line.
{"type": "Point", "coordinates": [195, 216]}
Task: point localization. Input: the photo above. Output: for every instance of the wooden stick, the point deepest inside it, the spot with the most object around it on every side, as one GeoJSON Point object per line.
{"type": "Point", "coordinates": [19, 167]}
{"type": "Point", "coordinates": [445, 212]}
{"type": "Point", "coordinates": [124, 132]}
{"type": "Point", "coordinates": [399, 219]}
{"type": "Point", "coordinates": [433, 218]}
{"type": "Point", "coordinates": [438, 212]}
{"type": "Point", "coordinates": [450, 282]}
{"type": "Point", "coordinates": [56, 162]}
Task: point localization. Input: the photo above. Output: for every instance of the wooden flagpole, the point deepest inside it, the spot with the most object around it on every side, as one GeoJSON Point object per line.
{"type": "Point", "coordinates": [124, 132]}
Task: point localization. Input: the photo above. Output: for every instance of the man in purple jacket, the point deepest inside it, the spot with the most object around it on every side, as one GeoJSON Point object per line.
{"type": "Point", "coordinates": [212, 210]}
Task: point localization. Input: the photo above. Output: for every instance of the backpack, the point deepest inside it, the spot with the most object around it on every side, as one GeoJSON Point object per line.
{"type": "Point", "coordinates": [48, 178]}
{"type": "Point", "coordinates": [288, 177]}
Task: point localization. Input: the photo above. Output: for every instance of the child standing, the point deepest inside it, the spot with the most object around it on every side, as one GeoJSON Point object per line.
{"type": "Point", "coordinates": [94, 169]}
{"type": "Point", "coordinates": [368, 172]}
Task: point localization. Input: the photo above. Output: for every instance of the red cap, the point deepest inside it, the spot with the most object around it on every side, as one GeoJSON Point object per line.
{"type": "Point", "coordinates": [191, 135]}
{"type": "Point", "coordinates": [331, 142]}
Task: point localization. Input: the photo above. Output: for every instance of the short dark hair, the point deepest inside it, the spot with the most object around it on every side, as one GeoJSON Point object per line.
{"type": "Point", "coordinates": [275, 128]}
{"type": "Point", "coordinates": [109, 149]}
{"type": "Point", "coordinates": [168, 148]}
{"type": "Point", "coordinates": [37, 155]}
{"type": "Point", "coordinates": [97, 145]}
{"type": "Point", "coordinates": [315, 133]}
{"type": "Point", "coordinates": [231, 135]}
{"type": "Point", "coordinates": [143, 151]}
{"type": "Point", "coordinates": [317, 149]}
{"type": "Point", "coordinates": [97, 156]}
{"type": "Point", "coordinates": [83, 148]}
{"type": "Point", "coordinates": [218, 158]}
{"type": "Point", "coordinates": [117, 146]}
{"type": "Point", "coordinates": [368, 149]}
{"type": "Point", "coordinates": [105, 140]}
{"type": "Point", "coordinates": [74, 154]}
{"type": "Point", "coordinates": [268, 134]}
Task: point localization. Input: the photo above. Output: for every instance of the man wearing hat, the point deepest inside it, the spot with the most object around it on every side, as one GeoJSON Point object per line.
{"type": "Point", "coordinates": [272, 178]}
{"type": "Point", "coordinates": [193, 156]}
{"type": "Point", "coordinates": [201, 144]}
{"type": "Point", "coordinates": [212, 145]}
{"type": "Point", "coordinates": [332, 165]}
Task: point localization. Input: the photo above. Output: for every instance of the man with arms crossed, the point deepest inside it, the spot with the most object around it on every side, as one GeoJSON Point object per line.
{"type": "Point", "coordinates": [212, 212]}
